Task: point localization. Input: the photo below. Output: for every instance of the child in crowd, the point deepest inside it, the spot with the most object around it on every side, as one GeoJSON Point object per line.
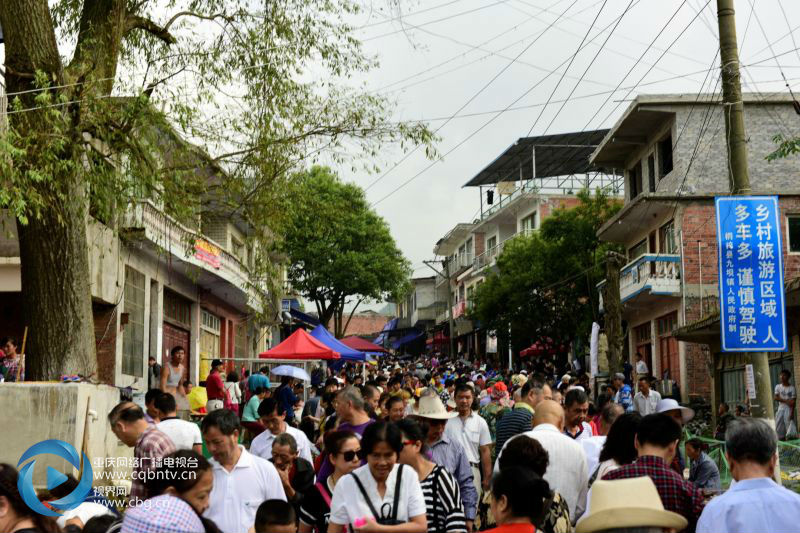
{"type": "Point", "coordinates": [275, 516]}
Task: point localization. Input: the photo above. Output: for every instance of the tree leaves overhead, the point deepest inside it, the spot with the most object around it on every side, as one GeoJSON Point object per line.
{"type": "Point", "coordinates": [339, 250]}
{"type": "Point", "coordinates": [545, 283]}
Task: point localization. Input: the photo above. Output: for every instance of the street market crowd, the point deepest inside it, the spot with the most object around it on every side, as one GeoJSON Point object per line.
{"type": "Point", "coordinates": [428, 444]}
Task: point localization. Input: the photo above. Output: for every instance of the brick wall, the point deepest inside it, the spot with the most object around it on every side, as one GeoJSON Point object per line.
{"type": "Point", "coordinates": [105, 336]}
{"type": "Point", "coordinates": [551, 204]}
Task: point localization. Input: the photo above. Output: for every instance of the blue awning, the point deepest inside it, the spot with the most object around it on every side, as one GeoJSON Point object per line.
{"type": "Point", "coordinates": [389, 327]}
{"type": "Point", "coordinates": [324, 336]}
{"type": "Point", "coordinates": [407, 338]}
{"type": "Point", "coordinates": [302, 317]}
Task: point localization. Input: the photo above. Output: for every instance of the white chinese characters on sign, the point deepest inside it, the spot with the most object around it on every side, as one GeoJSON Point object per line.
{"type": "Point", "coordinates": [750, 274]}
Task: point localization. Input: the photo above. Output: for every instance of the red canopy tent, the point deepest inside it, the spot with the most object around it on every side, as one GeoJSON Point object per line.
{"type": "Point", "coordinates": [362, 345]}
{"type": "Point", "coordinates": [300, 345]}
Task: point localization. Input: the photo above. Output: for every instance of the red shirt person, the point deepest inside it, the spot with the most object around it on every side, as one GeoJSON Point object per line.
{"type": "Point", "coordinates": [215, 388]}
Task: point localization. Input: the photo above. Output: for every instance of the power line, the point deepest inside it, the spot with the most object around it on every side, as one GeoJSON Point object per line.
{"type": "Point", "coordinates": [474, 96]}
{"type": "Point", "coordinates": [572, 59]}
{"type": "Point", "coordinates": [771, 50]}
{"type": "Point", "coordinates": [401, 16]}
{"type": "Point", "coordinates": [591, 63]}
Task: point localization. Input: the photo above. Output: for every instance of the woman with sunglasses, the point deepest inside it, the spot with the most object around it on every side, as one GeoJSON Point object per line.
{"type": "Point", "coordinates": [343, 448]}
{"type": "Point", "coordinates": [381, 496]}
{"type": "Point", "coordinates": [445, 512]}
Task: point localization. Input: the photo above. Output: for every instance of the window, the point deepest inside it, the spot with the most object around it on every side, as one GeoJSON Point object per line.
{"type": "Point", "coordinates": [635, 181]}
{"type": "Point", "coordinates": [469, 246]}
{"type": "Point", "coordinates": [240, 346]}
{"type": "Point", "coordinates": [666, 239]}
{"type": "Point", "coordinates": [177, 309]}
{"type": "Point", "coordinates": [238, 248]}
{"type": "Point", "coordinates": [529, 223]}
{"type": "Point", "coordinates": [794, 233]}
{"type": "Point", "coordinates": [665, 157]}
{"type": "Point", "coordinates": [133, 334]}
{"type": "Point", "coordinates": [470, 294]}
{"type": "Point", "coordinates": [642, 333]}
{"type": "Point", "coordinates": [491, 242]}
{"type": "Point", "coordinates": [651, 172]}
{"type": "Point", "coordinates": [209, 341]}
{"type": "Point", "coordinates": [666, 324]}
{"type": "Point", "coordinates": [639, 249]}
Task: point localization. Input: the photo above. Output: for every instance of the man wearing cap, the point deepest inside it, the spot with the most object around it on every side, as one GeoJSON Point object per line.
{"type": "Point", "coordinates": [628, 504]}
{"type": "Point", "coordinates": [215, 389]}
{"type": "Point", "coordinates": [682, 415]}
{"type": "Point", "coordinates": [755, 502]}
{"type": "Point", "coordinates": [623, 395]}
{"type": "Point", "coordinates": [446, 452]}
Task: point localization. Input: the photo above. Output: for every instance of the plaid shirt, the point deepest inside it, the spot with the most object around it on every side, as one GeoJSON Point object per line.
{"type": "Point", "coordinates": [677, 494]}
{"type": "Point", "coordinates": [11, 365]}
{"type": "Point", "coordinates": [151, 447]}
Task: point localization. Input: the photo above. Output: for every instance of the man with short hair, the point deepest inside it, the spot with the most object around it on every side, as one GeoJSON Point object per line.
{"type": "Point", "coordinates": [215, 389]}
{"type": "Point", "coordinates": [258, 379]}
{"type": "Point", "coordinates": [185, 435]}
{"type": "Point", "coordinates": [149, 444]}
{"type": "Point", "coordinates": [241, 480]}
{"type": "Point", "coordinates": [285, 395]}
{"type": "Point", "coordinates": [622, 394]}
{"type": "Point", "coordinates": [641, 368]}
{"type": "Point", "coordinates": [296, 473]}
{"type": "Point", "coordinates": [395, 409]}
{"type": "Point", "coordinates": [646, 400]}
{"type": "Point", "coordinates": [657, 442]}
{"type": "Point", "coordinates": [786, 396]}
{"type": "Point", "coordinates": [566, 472]}
{"type": "Point", "coordinates": [472, 431]}
{"type": "Point", "coordinates": [576, 409]}
{"type": "Point", "coordinates": [448, 453]}
{"type": "Point", "coordinates": [150, 411]}
{"type": "Point", "coordinates": [724, 417]}
{"type": "Point", "coordinates": [371, 399]}
{"type": "Point", "coordinates": [520, 418]}
{"type": "Point", "coordinates": [755, 502]}
{"type": "Point", "coordinates": [153, 373]}
{"type": "Point", "coordinates": [352, 416]}
{"type": "Point", "coordinates": [594, 445]}
{"type": "Point", "coordinates": [272, 415]}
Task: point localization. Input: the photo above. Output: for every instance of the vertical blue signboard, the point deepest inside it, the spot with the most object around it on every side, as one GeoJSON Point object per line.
{"type": "Point", "coordinates": [751, 298]}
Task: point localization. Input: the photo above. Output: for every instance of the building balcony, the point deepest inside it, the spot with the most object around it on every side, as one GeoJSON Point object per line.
{"type": "Point", "coordinates": [505, 200]}
{"type": "Point", "coordinates": [488, 257]}
{"type": "Point", "coordinates": [195, 252]}
{"type": "Point", "coordinates": [460, 309]}
{"type": "Point", "coordinates": [648, 278]}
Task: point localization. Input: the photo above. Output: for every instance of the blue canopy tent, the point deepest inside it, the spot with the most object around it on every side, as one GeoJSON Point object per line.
{"type": "Point", "coordinates": [346, 353]}
{"type": "Point", "coordinates": [381, 339]}
{"type": "Point", "coordinates": [407, 338]}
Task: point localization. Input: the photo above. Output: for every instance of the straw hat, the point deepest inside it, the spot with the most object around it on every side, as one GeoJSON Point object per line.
{"type": "Point", "coordinates": [625, 503]}
{"type": "Point", "coordinates": [668, 404]}
{"type": "Point", "coordinates": [431, 406]}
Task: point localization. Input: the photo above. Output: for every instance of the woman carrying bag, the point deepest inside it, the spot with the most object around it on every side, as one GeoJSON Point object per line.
{"type": "Point", "coordinates": [381, 496]}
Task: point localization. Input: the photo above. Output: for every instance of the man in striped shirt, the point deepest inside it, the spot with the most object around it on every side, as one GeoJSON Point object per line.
{"type": "Point", "coordinates": [520, 419]}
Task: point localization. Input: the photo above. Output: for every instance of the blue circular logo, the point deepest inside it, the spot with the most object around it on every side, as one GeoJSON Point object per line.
{"type": "Point", "coordinates": [54, 477]}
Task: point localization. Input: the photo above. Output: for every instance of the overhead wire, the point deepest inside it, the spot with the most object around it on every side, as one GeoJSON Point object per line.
{"type": "Point", "coordinates": [572, 60]}
{"type": "Point", "coordinates": [473, 97]}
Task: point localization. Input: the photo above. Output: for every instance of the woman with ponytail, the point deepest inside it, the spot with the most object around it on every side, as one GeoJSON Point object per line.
{"type": "Point", "coordinates": [15, 515]}
{"type": "Point", "coordinates": [523, 451]}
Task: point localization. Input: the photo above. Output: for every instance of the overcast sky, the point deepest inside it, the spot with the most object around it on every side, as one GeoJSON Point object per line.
{"type": "Point", "coordinates": [449, 31]}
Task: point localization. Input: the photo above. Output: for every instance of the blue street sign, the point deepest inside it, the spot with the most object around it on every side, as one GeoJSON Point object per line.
{"type": "Point", "coordinates": [751, 298]}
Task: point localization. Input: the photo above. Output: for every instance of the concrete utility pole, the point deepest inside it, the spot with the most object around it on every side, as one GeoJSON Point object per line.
{"type": "Point", "coordinates": [739, 176]}
{"type": "Point", "coordinates": [445, 273]}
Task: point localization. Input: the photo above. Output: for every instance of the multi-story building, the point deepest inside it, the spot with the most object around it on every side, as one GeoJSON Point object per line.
{"type": "Point", "coordinates": [158, 283]}
{"type": "Point", "coordinates": [518, 190]}
{"type": "Point", "coordinates": [672, 149]}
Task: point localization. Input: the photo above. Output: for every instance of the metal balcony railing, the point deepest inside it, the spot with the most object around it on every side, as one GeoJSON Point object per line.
{"type": "Point", "coordinates": [504, 200]}
{"type": "Point", "coordinates": [650, 273]}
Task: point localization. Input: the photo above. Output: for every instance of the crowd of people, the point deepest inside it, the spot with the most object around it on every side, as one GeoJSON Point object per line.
{"type": "Point", "coordinates": [430, 446]}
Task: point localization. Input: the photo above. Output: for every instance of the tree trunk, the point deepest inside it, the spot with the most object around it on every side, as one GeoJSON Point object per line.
{"type": "Point", "coordinates": [56, 290]}
{"type": "Point", "coordinates": [612, 308]}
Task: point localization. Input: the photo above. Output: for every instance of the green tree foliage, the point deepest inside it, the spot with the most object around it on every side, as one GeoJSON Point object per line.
{"type": "Point", "coordinates": [340, 252]}
{"type": "Point", "coordinates": [545, 283]}
{"type": "Point", "coordinates": [786, 147]}
{"type": "Point", "coordinates": [264, 87]}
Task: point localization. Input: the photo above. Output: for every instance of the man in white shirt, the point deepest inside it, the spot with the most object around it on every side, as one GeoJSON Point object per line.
{"type": "Point", "coordinates": [566, 472]}
{"type": "Point", "coordinates": [576, 409]}
{"type": "Point", "coordinates": [645, 402]}
{"type": "Point", "coordinates": [641, 366]}
{"type": "Point", "coordinates": [594, 445]}
{"type": "Point", "coordinates": [271, 413]}
{"type": "Point", "coordinates": [185, 435]}
{"type": "Point", "coordinates": [786, 396]}
{"type": "Point", "coordinates": [472, 432]}
{"type": "Point", "coordinates": [755, 502]}
{"type": "Point", "coordinates": [241, 480]}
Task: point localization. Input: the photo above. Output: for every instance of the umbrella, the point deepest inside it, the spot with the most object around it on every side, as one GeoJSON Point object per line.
{"type": "Point", "coordinates": [292, 372]}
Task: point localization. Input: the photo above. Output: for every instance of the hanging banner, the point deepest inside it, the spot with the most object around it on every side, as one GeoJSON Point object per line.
{"type": "Point", "coordinates": [491, 341]}
{"type": "Point", "coordinates": [751, 298]}
{"type": "Point", "coordinates": [593, 341]}
{"type": "Point", "coordinates": [750, 381]}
